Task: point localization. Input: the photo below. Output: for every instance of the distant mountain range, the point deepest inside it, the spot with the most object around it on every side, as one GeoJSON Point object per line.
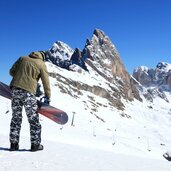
{"type": "Point", "coordinates": [154, 82]}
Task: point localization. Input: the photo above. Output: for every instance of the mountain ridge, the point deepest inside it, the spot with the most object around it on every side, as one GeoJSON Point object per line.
{"type": "Point", "coordinates": [100, 56]}
{"type": "Point", "coordinates": [154, 82]}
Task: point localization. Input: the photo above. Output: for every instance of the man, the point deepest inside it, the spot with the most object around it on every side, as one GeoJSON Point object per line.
{"type": "Point", "coordinates": [26, 72]}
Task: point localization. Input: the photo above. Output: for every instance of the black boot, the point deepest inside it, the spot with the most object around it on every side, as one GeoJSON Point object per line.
{"type": "Point", "coordinates": [36, 147]}
{"type": "Point", "coordinates": [14, 147]}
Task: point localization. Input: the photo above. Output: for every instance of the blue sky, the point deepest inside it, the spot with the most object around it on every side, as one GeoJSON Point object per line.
{"type": "Point", "coordinates": [140, 29]}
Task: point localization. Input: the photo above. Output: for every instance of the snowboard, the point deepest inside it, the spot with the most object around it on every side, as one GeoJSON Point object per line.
{"type": "Point", "coordinates": [50, 112]}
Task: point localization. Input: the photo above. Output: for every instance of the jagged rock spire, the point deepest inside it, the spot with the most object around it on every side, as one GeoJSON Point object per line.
{"type": "Point", "coordinates": [105, 59]}
{"type": "Point", "coordinates": [101, 57]}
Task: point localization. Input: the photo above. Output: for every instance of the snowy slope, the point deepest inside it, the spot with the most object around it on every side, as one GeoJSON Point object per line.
{"type": "Point", "coordinates": [102, 138]}
{"type": "Point", "coordinates": [64, 157]}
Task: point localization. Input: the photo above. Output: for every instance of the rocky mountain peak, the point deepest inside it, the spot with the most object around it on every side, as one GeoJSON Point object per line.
{"type": "Point", "coordinates": [102, 61]}
{"type": "Point", "coordinates": [159, 76]}
{"type": "Point", "coordinates": [164, 66]}
{"type": "Point", "coordinates": [103, 56]}
{"type": "Point", "coordinates": [154, 80]}
{"type": "Point", "coordinates": [99, 33]}
{"type": "Point", "coordinates": [59, 50]}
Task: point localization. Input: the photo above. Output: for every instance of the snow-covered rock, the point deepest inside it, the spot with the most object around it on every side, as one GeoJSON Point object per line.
{"type": "Point", "coordinates": [155, 81]}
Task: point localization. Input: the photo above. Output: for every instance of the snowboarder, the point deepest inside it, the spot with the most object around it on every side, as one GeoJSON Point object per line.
{"type": "Point", "coordinates": [26, 72]}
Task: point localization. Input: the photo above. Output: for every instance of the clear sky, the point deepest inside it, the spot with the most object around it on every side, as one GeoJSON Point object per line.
{"type": "Point", "coordinates": [140, 29]}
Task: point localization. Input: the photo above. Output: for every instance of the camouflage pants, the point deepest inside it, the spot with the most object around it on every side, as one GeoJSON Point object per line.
{"type": "Point", "coordinates": [24, 98]}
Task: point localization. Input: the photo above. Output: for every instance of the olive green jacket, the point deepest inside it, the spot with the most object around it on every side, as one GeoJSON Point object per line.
{"type": "Point", "coordinates": [27, 71]}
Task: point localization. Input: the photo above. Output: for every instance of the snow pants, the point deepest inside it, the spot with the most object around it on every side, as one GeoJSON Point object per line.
{"type": "Point", "coordinates": [24, 98]}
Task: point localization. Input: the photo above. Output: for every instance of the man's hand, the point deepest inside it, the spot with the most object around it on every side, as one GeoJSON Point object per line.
{"type": "Point", "coordinates": [46, 100]}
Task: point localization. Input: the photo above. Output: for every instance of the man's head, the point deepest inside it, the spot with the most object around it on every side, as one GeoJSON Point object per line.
{"type": "Point", "coordinates": [39, 55]}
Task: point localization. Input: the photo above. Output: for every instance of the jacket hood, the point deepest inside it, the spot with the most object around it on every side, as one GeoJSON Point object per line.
{"type": "Point", "coordinates": [37, 55]}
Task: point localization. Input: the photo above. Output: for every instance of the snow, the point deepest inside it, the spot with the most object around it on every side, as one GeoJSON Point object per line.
{"type": "Point", "coordinates": [119, 143]}
{"type": "Point", "coordinates": [101, 138]}
{"type": "Point", "coordinates": [63, 157]}
{"type": "Point", "coordinates": [61, 49]}
{"type": "Point", "coordinates": [142, 68]}
{"type": "Point", "coordinates": [164, 66]}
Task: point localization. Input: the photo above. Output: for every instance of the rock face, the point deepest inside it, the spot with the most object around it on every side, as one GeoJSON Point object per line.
{"type": "Point", "coordinates": [101, 61]}
{"type": "Point", "coordinates": [60, 50]}
{"type": "Point", "coordinates": [160, 76]}
{"type": "Point", "coordinates": [156, 81]}
{"type": "Point", "coordinates": [59, 54]}
{"type": "Point", "coordinates": [104, 58]}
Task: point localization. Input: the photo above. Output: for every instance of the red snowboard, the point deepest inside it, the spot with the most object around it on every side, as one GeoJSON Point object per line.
{"type": "Point", "coordinates": [50, 112]}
